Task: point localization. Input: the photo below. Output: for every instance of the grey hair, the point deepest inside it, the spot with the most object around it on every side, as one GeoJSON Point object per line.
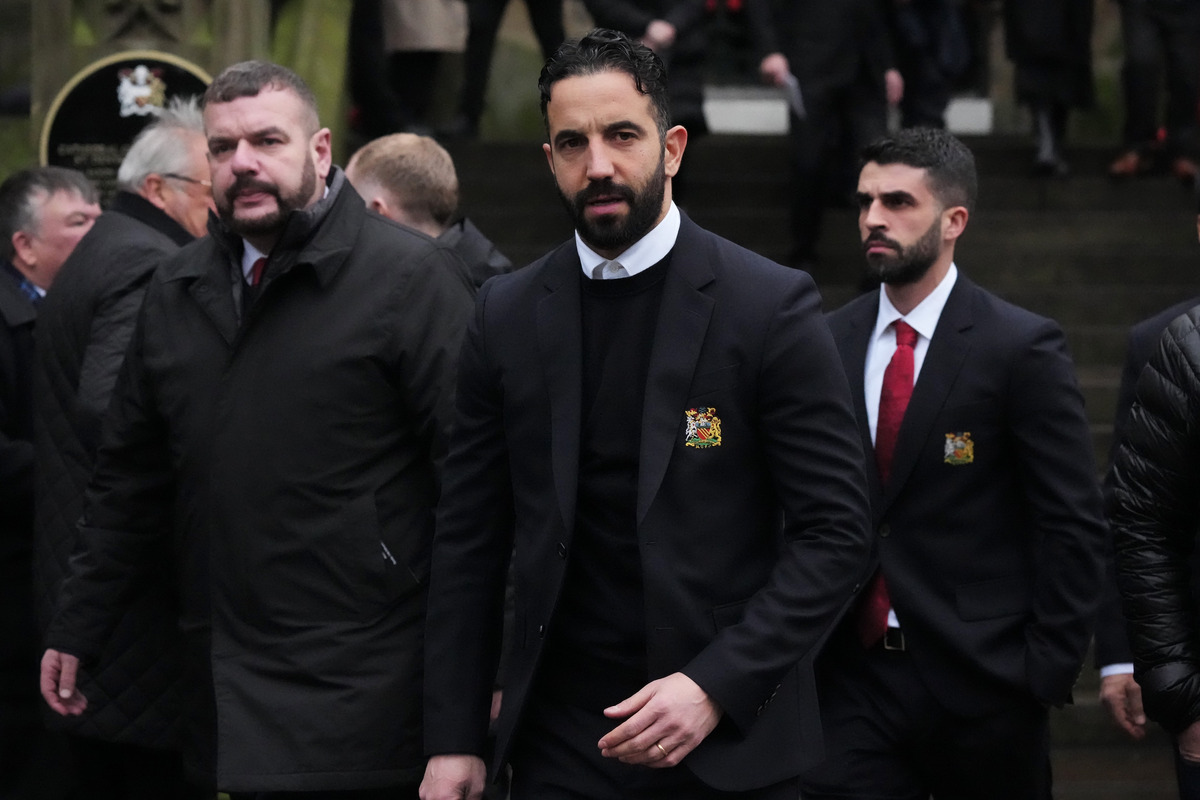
{"type": "Point", "coordinates": [23, 193]}
{"type": "Point", "coordinates": [162, 146]}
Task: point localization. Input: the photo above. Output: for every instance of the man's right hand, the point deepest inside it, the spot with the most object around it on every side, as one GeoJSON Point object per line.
{"type": "Point", "coordinates": [454, 777]}
{"type": "Point", "coordinates": [58, 683]}
{"type": "Point", "coordinates": [1122, 696]}
{"type": "Point", "coordinates": [774, 69]}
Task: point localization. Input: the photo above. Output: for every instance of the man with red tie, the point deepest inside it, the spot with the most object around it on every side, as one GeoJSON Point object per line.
{"type": "Point", "coordinates": [984, 500]}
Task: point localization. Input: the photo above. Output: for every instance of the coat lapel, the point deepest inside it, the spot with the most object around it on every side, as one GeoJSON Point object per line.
{"type": "Point", "coordinates": [560, 346]}
{"type": "Point", "coordinates": [853, 347]}
{"type": "Point", "coordinates": [683, 319]}
{"type": "Point", "coordinates": [943, 361]}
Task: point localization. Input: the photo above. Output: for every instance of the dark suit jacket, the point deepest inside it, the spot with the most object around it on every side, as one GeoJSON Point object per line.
{"type": "Point", "coordinates": [750, 549]}
{"type": "Point", "coordinates": [992, 559]}
{"type": "Point", "coordinates": [1112, 641]}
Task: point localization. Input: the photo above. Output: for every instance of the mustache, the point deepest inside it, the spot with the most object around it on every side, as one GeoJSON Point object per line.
{"type": "Point", "coordinates": [604, 188]}
{"type": "Point", "coordinates": [875, 237]}
{"type": "Point", "coordinates": [246, 182]}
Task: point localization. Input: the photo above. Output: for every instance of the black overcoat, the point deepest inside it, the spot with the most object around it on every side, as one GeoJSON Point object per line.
{"type": "Point", "coordinates": [295, 455]}
{"type": "Point", "coordinates": [84, 327]}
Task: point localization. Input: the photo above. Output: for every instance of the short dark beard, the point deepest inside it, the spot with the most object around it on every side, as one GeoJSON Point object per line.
{"type": "Point", "coordinates": [285, 205]}
{"type": "Point", "coordinates": [618, 233]}
{"type": "Point", "coordinates": [906, 265]}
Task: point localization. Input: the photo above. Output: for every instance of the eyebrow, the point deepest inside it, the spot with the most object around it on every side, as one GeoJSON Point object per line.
{"type": "Point", "coordinates": [620, 125]}
{"type": "Point", "coordinates": [887, 197]}
{"type": "Point", "coordinates": [273, 130]}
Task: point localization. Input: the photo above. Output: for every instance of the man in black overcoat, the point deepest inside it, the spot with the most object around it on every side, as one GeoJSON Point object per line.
{"type": "Point", "coordinates": [127, 744]}
{"type": "Point", "coordinates": [281, 411]}
{"type": "Point", "coordinates": [44, 212]}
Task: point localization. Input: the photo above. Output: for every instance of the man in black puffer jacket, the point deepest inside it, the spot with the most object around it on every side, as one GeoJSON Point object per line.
{"type": "Point", "coordinates": [126, 745]}
{"type": "Point", "coordinates": [1154, 515]}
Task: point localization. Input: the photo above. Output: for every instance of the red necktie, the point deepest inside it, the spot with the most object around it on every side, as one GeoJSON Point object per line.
{"type": "Point", "coordinates": [893, 400]}
{"type": "Point", "coordinates": [256, 270]}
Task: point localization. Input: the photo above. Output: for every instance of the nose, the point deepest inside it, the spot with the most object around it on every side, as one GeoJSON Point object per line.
{"type": "Point", "coordinates": [243, 159]}
{"type": "Point", "coordinates": [599, 165]}
{"type": "Point", "coordinates": [870, 215]}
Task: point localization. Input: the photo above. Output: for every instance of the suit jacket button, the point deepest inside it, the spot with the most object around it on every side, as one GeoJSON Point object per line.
{"type": "Point", "coordinates": [541, 631]}
{"type": "Point", "coordinates": [562, 550]}
{"type": "Point", "coordinates": [885, 530]}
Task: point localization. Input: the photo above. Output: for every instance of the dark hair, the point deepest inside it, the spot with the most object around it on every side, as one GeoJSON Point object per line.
{"type": "Point", "coordinates": [20, 209]}
{"type": "Point", "coordinates": [603, 50]}
{"type": "Point", "coordinates": [248, 78]}
{"type": "Point", "coordinates": [950, 165]}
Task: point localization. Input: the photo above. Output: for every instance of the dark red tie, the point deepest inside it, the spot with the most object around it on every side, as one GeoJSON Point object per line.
{"type": "Point", "coordinates": [257, 268]}
{"type": "Point", "coordinates": [893, 400]}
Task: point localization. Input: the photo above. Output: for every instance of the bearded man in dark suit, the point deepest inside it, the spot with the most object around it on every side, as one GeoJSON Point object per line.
{"type": "Point", "coordinates": [658, 419]}
{"type": "Point", "coordinates": [985, 503]}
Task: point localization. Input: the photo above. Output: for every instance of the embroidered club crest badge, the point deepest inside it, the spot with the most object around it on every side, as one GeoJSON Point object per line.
{"type": "Point", "coordinates": [703, 428]}
{"type": "Point", "coordinates": [959, 449]}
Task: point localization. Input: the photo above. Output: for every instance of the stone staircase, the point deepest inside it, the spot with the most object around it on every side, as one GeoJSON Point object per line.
{"type": "Point", "coordinates": [1093, 254]}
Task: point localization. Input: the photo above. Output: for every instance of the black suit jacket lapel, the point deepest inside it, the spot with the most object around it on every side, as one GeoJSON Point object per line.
{"type": "Point", "coordinates": [560, 346]}
{"type": "Point", "coordinates": [853, 347]}
{"type": "Point", "coordinates": [943, 361]}
{"type": "Point", "coordinates": [683, 320]}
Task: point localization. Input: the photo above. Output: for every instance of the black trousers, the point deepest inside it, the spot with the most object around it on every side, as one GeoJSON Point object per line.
{"type": "Point", "coordinates": [1162, 38]}
{"type": "Point", "coordinates": [887, 736]}
{"type": "Point", "coordinates": [840, 121]}
{"type": "Point", "coordinates": [556, 758]}
{"type": "Point", "coordinates": [484, 21]}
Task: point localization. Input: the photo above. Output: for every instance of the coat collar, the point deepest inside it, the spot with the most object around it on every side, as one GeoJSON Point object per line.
{"type": "Point", "coordinates": [139, 208]}
{"type": "Point", "coordinates": [319, 238]}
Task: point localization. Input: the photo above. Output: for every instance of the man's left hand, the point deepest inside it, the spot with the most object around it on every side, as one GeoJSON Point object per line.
{"type": "Point", "coordinates": [667, 718]}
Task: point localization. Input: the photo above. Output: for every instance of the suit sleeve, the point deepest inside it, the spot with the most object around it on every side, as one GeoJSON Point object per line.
{"type": "Point", "coordinates": [1112, 643]}
{"type": "Point", "coordinates": [814, 454]}
{"type": "Point", "coordinates": [470, 557]}
{"type": "Point", "coordinates": [1058, 477]}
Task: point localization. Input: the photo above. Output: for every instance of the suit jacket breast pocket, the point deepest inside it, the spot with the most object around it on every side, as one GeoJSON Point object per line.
{"type": "Point", "coordinates": [713, 381]}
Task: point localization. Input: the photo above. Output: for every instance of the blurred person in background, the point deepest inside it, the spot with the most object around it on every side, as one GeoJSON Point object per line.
{"type": "Point", "coordinates": [127, 744]}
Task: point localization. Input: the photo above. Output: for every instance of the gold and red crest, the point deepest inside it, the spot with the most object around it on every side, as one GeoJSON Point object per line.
{"type": "Point", "coordinates": [703, 428]}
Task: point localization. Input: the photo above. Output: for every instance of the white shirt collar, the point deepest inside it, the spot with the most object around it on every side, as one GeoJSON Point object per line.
{"type": "Point", "coordinates": [644, 253]}
{"type": "Point", "coordinates": [923, 318]}
{"type": "Point", "coordinates": [250, 254]}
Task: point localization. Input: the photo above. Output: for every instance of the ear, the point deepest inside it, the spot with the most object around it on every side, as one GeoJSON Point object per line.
{"type": "Point", "coordinates": [549, 156]}
{"type": "Point", "coordinates": [152, 190]}
{"type": "Point", "coordinates": [22, 244]}
{"type": "Point", "coordinates": [954, 222]}
{"type": "Point", "coordinates": [675, 142]}
{"type": "Point", "coordinates": [379, 206]}
{"type": "Point", "coordinates": [322, 153]}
